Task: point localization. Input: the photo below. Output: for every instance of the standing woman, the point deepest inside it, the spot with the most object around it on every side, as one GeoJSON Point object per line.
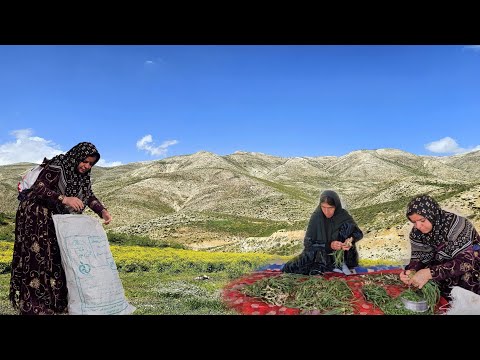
{"type": "Point", "coordinates": [38, 284]}
{"type": "Point", "coordinates": [330, 228]}
{"type": "Point", "coordinates": [445, 248]}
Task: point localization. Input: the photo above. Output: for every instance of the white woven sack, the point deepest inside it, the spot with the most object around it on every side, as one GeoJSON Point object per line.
{"type": "Point", "coordinates": [464, 302]}
{"type": "Point", "coordinates": [94, 286]}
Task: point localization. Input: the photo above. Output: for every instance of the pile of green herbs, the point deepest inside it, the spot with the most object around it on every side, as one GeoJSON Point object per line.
{"type": "Point", "coordinates": [373, 290]}
{"type": "Point", "coordinates": [331, 296]}
{"type": "Point", "coordinates": [430, 292]}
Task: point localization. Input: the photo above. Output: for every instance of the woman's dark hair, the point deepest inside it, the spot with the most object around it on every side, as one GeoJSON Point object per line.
{"type": "Point", "coordinates": [327, 199]}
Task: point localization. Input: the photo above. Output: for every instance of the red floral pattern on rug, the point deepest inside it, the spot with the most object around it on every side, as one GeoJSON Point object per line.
{"type": "Point", "coordinates": [248, 305]}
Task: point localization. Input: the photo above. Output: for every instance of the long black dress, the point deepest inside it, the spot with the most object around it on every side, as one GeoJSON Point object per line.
{"type": "Point", "coordinates": [316, 257]}
{"type": "Point", "coordinates": [38, 284]}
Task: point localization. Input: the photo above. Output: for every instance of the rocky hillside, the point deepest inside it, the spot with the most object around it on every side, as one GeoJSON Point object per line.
{"type": "Point", "coordinates": [242, 200]}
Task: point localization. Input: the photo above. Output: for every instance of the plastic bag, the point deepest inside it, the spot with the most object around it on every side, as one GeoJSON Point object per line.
{"type": "Point", "coordinates": [27, 181]}
{"type": "Point", "coordinates": [464, 302]}
{"type": "Point", "coordinates": [94, 286]}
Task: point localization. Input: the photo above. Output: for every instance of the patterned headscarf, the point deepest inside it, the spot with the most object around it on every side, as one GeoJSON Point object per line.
{"type": "Point", "coordinates": [450, 233]}
{"type": "Point", "coordinates": [73, 183]}
{"type": "Point", "coordinates": [425, 206]}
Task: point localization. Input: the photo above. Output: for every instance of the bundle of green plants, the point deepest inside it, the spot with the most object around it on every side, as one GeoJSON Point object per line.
{"type": "Point", "coordinates": [338, 258]}
{"type": "Point", "coordinates": [383, 279]}
{"type": "Point", "coordinates": [273, 290]}
{"type": "Point", "coordinates": [339, 255]}
{"type": "Point", "coordinates": [296, 291]}
{"type": "Point", "coordinates": [318, 293]}
{"type": "Point", "coordinates": [374, 291]}
{"type": "Point", "coordinates": [375, 294]}
{"type": "Point", "coordinates": [430, 293]}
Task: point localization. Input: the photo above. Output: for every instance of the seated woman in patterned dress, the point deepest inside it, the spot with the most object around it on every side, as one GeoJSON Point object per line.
{"type": "Point", "coordinates": [445, 248]}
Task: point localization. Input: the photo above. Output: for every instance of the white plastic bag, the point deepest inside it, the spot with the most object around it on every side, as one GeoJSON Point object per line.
{"type": "Point", "coordinates": [94, 286]}
{"type": "Point", "coordinates": [29, 178]}
{"type": "Point", "coordinates": [464, 302]}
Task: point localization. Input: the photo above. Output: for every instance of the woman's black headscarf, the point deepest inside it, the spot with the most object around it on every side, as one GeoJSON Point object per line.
{"type": "Point", "coordinates": [73, 183]}
{"type": "Point", "coordinates": [323, 230]}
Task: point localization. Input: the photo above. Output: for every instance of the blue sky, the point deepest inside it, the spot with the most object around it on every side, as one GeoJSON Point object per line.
{"type": "Point", "coordinates": [142, 103]}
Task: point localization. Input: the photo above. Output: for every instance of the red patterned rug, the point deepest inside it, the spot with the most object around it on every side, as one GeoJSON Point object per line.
{"type": "Point", "coordinates": [247, 305]}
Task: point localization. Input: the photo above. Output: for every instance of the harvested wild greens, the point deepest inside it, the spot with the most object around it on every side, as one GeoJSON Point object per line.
{"type": "Point", "coordinates": [315, 294]}
{"type": "Point", "coordinates": [383, 279]}
{"type": "Point", "coordinates": [430, 293]}
{"type": "Point", "coordinates": [338, 256]}
{"type": "Point", "coordinates": [376, 294]}
{"type": "Point", "coordinates": [297, 291]}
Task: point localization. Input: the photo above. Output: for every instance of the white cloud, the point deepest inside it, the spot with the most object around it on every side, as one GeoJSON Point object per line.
{"type": "Point", "coordinates": [27, 148]}
{"type": "Point", "coordinates": [472, 47]}
{"type": "Point", "coordinates": [448, 145]}
{"type": "Point", "coordinates": [445, 145]}
{"type": "Point", "coordinates": [144, 144]}
{"type": "Point", "coordinates": [32, 149]}
{"type": "Point", "coordinates": [104, 163]}
{"type": "Point", "coordinates": [153, 65]}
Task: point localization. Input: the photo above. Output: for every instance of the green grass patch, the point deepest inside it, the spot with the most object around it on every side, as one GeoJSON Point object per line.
{"type": "Point", "coordinates": [137, 240]}
{"type": "Point", "coordinates": [413, 170]}
{"type": "Point", "coordinates": [163, 281]}
{"type": "Point", "coordinates": [364, 215]}
{"type": "Point", "coordinates": [245, 226]}
{"type": "Point", "coordinates": [168, 260]}
{"type": "Point", "coordinates": [287, 249]}
{"type": "Point", "coordinates": [7, 227]}
{"type": "Point", "coordinates": [5, 307]}
{"type": "Point", "coordinates": [5, 219]}
{"type": "Point", "coordinates": [453, 191]}
{"type": "Point", "coordinates": [392, 213]}
{"type": "Point", "coordinates": [154, 293]}
{"type": "Point", "coordinates": [288, 190]}
{"type": "Point", "coordinates": [156, 206]}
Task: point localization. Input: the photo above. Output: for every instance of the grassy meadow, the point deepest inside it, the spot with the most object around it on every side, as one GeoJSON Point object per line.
{"type": "Point", "coordinates": [165, 278]}
{"type": "Point", "coordinates": [164, 281]}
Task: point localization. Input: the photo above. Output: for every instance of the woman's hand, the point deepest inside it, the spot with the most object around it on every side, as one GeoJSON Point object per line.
{"type": "Point", "coordinates": [106, 216]}
{"type": "Point", "coordinates": [347, 244]}
{"type": "Point", "coordinates": [336, 245]}
{"type": "Point", "coordinates": [73, 202]}
{"type": "Point", "coordinates": [421, 277]}
{"type": "Point", "coordinates": [405, 276]}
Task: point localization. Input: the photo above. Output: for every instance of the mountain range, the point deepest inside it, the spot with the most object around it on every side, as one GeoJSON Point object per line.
{"type": "Point", "coordinates": [219, 203]}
